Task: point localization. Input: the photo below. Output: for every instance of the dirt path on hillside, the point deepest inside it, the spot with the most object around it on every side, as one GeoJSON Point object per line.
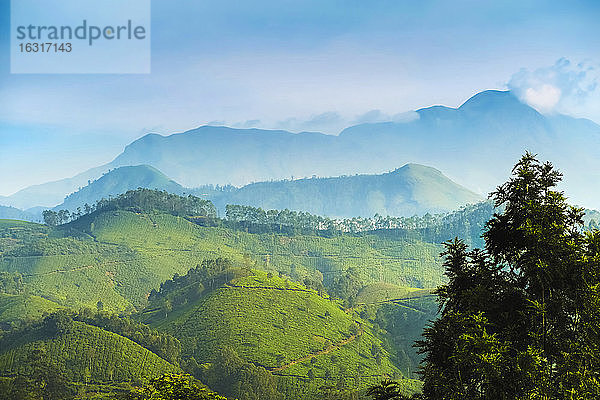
{"type": "Point", "coordinates": [328, 350]}
{"type": "Point", "coordinates": [310, 291]}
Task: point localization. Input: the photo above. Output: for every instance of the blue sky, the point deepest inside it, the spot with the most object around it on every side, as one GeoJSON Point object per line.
{"type": "Point", "coordinates": [299, 65]}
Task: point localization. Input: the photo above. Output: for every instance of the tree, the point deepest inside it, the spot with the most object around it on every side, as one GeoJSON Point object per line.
{"type": "Point", "coordinates": [173, 387]}
{"type": "Point", "coordinates": [64, 216]}
{"type": "Point", "coordinates": [385, 390]}
{"type": "Point", "coordinates": [233, 376]}
{"type": "Point", "coordinates": [50, 217]}
{"type": "Point", "coordinates": [45, 377]}
{"type": "Point", "coordinates": [520, 319]}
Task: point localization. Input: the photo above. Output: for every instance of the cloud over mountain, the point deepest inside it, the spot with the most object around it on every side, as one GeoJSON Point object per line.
{"type": "Point", "coordinates": [561, 87]}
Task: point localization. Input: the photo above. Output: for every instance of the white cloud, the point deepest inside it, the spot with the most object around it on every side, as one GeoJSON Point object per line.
{"type": "Point", "coordinates": [563, 87]}
{"type": "Point", "coordinates": [544, 98]}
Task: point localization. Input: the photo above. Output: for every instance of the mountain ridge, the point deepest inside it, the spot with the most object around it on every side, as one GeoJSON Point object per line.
{"type": "Point", "coordinates": [412, 189]}
{"type": "Point", "coordinates": [464, 142]}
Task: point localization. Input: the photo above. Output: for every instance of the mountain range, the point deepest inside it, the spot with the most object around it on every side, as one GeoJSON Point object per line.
{"type": "Point", "coordinates": [474, 144]}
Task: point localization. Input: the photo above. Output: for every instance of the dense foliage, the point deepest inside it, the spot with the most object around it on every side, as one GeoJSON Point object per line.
{"type": "Point", "coordinates": [274, 328]}
{"type": "Point", "coordinates": [520, 319]}
{"type": "Point", "coordinates": [235, 377]}
{"type": "Point", "coordinates": [160, 343]}
{"type": "Point", "coordinates": [142, 201]}
{"type": "Point", "coordinates": [173, 387]}
{"type": "Point", "coordinates": [80, 353]}
{"type": "Point", "coordinates": [466, 222]}
{"type": "Point", "coordinates": [194, 279]}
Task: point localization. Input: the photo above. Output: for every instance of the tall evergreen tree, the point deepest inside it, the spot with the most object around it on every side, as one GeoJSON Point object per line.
{"type": "Point", "coordinates": [519, 320]}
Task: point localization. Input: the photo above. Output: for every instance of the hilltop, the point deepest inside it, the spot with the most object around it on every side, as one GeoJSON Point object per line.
{"type": "Point", "coordinates": [118, 181]}
{"type": "Point", "coordinates": [411, 190]}
{"type": "Point", "coordinates": [15, 213]}
{"type": "Point", "coordinates": [119, 256]}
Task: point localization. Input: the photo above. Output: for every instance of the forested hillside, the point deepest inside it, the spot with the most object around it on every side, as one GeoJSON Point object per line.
{"type": "Point", "coordinates": [294, 332]}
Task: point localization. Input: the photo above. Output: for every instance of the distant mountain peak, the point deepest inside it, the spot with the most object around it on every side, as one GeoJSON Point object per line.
{"type": "Point", "coordinates": [120, 180]}
{"type": "Point", "coordinates": [414, 167]}
{"type": "Point", "coordinates": [413, 189]}
{"type": "Point", "coordinates": [494, 101]}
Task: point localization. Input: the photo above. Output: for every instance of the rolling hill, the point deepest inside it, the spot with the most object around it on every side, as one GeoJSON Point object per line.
{"type": "Point", "coordinates": [15, 213]}
{"type": "Point", "coordinates": [50, 194]}
{"type": "Point", "coordinates": [15, 308]}
{"type": "Point", "coordinates": [82, 353]}
{"type": "Point", "coordinates": [118, 181]}
{"type": "Point", "coordinates": [288, 329]}
{"type": "Point", "coordinates": [119, 256]}
{"type": "Point", "coordinates": [411, 190]}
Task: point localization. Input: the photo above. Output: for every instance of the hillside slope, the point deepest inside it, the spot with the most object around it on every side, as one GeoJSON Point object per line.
{"type": "Point", "coordinates": [15, 308]}
{"type": "Point", "coordinates": [83, 353]}
{"type": "Point", "coordinates": [118, 181]}
{"type": "Point", "coordinates": [119, 256]}
{"type": "Point", "coordinates": [282, 326]}
{"type": "Point", "coordinates": [15, 213]}
{"type": "Point", "coordinates": [411, 190]}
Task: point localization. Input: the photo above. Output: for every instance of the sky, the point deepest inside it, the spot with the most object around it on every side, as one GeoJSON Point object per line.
{"type": "Point", "coordinates": [317, 65]}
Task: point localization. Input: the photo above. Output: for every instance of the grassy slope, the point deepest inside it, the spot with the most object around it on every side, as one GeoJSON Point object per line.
{"type": "Point", "coordinates": [380, 292]}
{"type": "Point", "coordinates": [279, 325]}
{"type": "Point", "coordinates": [24, 307]}
{"type": "Point", "coordinates": [86, 353]}
{"type": "Point", "coordinates": [117, 257]}
{"type": "Point", "coordinates": [123, 255]}
{"type": "Point", "coordinates": [173, 239]}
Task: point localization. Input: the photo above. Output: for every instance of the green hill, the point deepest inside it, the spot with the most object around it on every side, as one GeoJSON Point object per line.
{"type": "Point", "coordinates": [290, 330]}
{"type": "Point", "coordinates": [381, 292]}
{"type": "Point", "coordinates": [117, 181]}
{"type": "Point", "coordinates": [411, 190]}
{"type": "Point", "coordinates": [81, 353]}
{"type": "Point", "coordinates": [118, 257]}
{"type": "Point", "coordinates": [15, 308]}
{"type": "Point", "coordinates": [114, 259]}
